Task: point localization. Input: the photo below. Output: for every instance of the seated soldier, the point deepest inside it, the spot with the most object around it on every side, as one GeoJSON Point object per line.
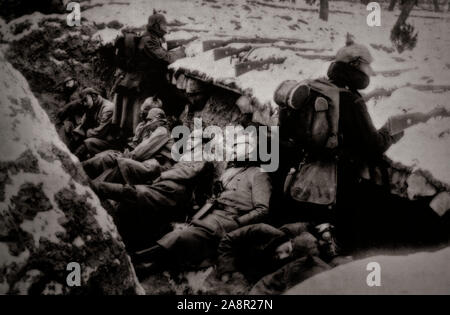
{"type": "Point", "coordinates": [144, 163]}
{"type": "Point", "coordinates": [146, 210]}
{"type": "Point", "coordinates": [243, 200]}
{"type": "Point", "coordinates": [95, 129]}
{"type": "Point", "coordinates": [71, 114]}
{"type": "Point", "coordinates": [141, 131]}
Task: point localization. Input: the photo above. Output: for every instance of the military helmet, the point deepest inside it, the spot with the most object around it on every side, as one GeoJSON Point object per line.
{"type": "Point", "coordinates": [156, 19]}
{"type": "Point", "coordinates": [356, 53]}
{"type": "Point", "coordinates": [156, 23]}
{"type": "Point", "coordinates": [152, 102]}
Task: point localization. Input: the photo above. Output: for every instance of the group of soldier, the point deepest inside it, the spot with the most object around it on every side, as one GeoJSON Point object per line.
{"type": "Point", "coordinates": [125, 148]}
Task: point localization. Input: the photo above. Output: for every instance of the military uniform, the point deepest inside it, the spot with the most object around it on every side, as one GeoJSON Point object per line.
{"type": "Point", "coordinates": [245, 200]}
{"type": "Point", "coordinates": [146, 210]}
{"type": "Point", "coordinates": [250, 249]}
{"type": "Point", "coordinates": [96, 126]}
{"type": "Point", "coordinates": [145, 163]}
{"type": "Point", "coordinates": [146, 77]}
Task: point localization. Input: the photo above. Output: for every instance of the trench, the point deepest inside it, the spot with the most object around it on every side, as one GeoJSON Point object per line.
{"type": "Point", "coordinates": [47, 55]}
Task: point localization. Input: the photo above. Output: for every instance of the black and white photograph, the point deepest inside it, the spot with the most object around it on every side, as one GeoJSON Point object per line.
{"type": "Point", "coordinates": [232, 154]}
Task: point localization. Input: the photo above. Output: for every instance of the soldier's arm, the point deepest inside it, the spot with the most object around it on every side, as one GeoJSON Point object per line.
{"type": "Point", "coordinates": [69, 109]}
{"type": "Point", "coordinates": [153, 50]}
{"type": "Point", "coordinates": [227, 251]}
{"type": "Point", "coordinates": [261, 191]}
{"type": "Point", "coordinates": [101, 130]}
{"type": "Point", "coordinates": [150, 146]}
{"type": "Point", "coordinates": [376, 141]}
{"type": "Point", "coordinates": [80, 130]}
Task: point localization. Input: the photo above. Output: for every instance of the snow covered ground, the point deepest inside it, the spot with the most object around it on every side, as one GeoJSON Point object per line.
{"type": "Point", "coordinates": [426, 273]}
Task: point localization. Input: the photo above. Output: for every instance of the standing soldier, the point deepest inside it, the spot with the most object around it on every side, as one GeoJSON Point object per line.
{"type": "Point", "coordinates": [355, 166]}
{"type": "Point", "coordinates": [146, 74]}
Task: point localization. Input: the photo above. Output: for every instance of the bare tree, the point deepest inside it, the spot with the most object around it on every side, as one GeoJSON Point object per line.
{"type": "Point", "coordinates": [402, 34]}
{"type": "Point", "coordinates": [392, 5]}
{"type": "Point", "coordinates": [406, 8]}
{"type": "Point", "coordinates": [436, 5]}
{"type": "Point", "coordinates": [323, 11]}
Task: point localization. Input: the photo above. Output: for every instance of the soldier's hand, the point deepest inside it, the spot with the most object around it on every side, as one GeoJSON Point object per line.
{"type": "Point", "coordinates": [231, 276]}
{"type": "Point", "coordinates": [225, 277]}
{"type": "Point", "coordinates": [180, 52]}
{"type": "Point", "coordinates": [67, 126]}
{"type": "Point", "coordinates": [128, 154]}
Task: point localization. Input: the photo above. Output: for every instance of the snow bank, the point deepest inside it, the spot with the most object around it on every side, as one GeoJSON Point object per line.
{"type": "Point", "coordinates": [46, 207]}
{"type": "Point", "coordinates": [421, 273]}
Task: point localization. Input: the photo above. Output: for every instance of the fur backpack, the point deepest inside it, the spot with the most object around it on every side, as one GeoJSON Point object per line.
{"type": "Point", "coordinates": [125, 51]}
{"type": "Point", "coordinates": [309, 119]}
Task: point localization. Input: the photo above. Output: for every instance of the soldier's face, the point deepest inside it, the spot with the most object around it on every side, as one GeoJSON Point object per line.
{"type": "Point", "coordinates": [70, 84]}
{"type": "Point", "coordinates": [283, 251]}
{"type": "Point", "coordinates": [327, 244]}
{"type": "Point", "coordinates": [89, 101]}
{"type": "Point", "coordinates": [164, 28]}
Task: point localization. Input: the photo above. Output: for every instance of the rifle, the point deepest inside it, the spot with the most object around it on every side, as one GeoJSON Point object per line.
{"type": "Point", "coordinates": [247, 66]}
{"type": "Point", "coordinates": [216, 43]}
{"type": "Point", "coordinates": [171, 44]}
{"type": "Point", "coordinates": [397, 124]}
{"type": "Point", "coordinates": [204, 210]}
{"type": "Point", "coordinates": [322, 57]}
{"type": "Point", "coordinates": [223, 52]}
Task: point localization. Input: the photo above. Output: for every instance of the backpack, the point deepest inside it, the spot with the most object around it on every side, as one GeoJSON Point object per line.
{"type": "Point", "coordinates": [309, 112]}
{"type": "Point", "coordinates": [125, 51]}
{"type": "Point", "coordinates": [309, 119]}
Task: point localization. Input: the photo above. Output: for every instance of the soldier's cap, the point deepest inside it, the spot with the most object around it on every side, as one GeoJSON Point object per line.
{"type": "Point", "coordinates": [356, 52]}
{"type": "Point", "coordinates": [67, 79]}
{"type": "Point", "coordinates": [88, 91]}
